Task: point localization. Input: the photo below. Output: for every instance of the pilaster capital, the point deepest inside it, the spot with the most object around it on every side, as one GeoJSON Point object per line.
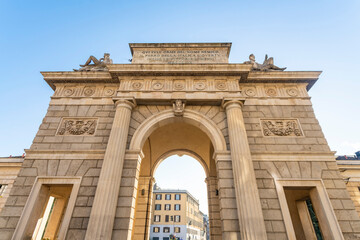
{"type": "Point", "coordinates": [125, 102]}
{"type": "Point", "coordinates": [232, 102]}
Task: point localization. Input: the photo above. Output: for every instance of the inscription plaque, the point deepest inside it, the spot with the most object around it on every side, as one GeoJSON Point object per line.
{"type": "Point", "coordinates": [180, 53]}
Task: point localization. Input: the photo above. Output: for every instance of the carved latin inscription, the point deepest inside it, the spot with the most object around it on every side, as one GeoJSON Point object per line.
{"type": "Point", "coordinates": [77, 126]}
{"type": "Point", "coordinates": [281, 127]}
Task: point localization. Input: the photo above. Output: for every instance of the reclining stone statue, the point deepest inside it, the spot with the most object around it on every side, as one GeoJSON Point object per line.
{"type": "Point", "coordinates": [97, 65]}
{"type": "Point", "coordinates": [268, 64]}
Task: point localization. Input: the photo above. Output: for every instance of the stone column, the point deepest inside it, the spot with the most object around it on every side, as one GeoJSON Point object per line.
{"type": "Point", "coordinates": [104, 207]}
{"type": "Point", "coordinates": [251, 220]}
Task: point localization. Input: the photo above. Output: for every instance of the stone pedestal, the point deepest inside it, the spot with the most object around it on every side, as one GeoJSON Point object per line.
{"type": "Point", "coordinates": [250, 214]}
{"type": "Point", "coordinates": [103, 210]}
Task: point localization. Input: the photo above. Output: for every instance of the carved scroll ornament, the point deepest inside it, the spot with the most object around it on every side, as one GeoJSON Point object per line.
{"type": "Point", "coordinates": [281, 127]}
{"type": "Point", "coordinates": [77, 127]}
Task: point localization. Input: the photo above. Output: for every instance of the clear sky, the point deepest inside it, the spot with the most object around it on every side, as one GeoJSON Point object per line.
{"type": "Point", "coordinates": [182, 173]}
{"type": "Point", "coordinates": [59, 35]}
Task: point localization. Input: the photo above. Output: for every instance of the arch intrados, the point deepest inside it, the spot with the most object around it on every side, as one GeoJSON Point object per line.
{"type": "Point", "coordinates": [166, 117]}
{"type": "Point", "coordinates": [180, 152]}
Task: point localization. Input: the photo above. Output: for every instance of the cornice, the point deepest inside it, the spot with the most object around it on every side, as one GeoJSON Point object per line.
{"type": "Point", "coordinates": [309, 77]}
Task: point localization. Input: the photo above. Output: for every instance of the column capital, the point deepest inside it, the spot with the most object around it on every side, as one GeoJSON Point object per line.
{"type": "Point", "coordinates": [125, 102]}
{"type": "Point", "coordinates": [232, 102]}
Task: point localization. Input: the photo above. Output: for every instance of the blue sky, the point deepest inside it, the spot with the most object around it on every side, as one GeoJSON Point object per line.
{"type": "Point", "coordinates": [59, 35]}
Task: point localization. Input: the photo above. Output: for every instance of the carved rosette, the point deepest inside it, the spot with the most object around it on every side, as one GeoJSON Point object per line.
{"type": "Point", "coordinates": [281, 127]}
{"type": "Point", "coordinates": [200, 85]}
{"type": "Point", "coordinates": [137, 85]}
{"type": "Point", "coordinates": [77, 126]}
{"type": "Point", "coordinates": [68, 92]}
{"type": "Point", "coordinates": [292, 92]}
{"type": "Point", "coordinates": [250, 91]}
{"type": "Point", "coordinates": [89, 91]}
{"type": "Point", "coordinates": [158, 85]}
{"type": "Point", "coordinates": [109, 92]}
{"type": "Point", "coordinates": [221, 85]}
{"type": "Point", "coordinates": [271, 92]}
{"type": "Point", "coordinates": [179, 85]}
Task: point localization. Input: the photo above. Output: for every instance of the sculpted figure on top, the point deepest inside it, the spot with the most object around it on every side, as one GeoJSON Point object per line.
{"type": "Point", "coordinates": [268, 64]}
{"type": "Point", "coordinates": [97, 65]}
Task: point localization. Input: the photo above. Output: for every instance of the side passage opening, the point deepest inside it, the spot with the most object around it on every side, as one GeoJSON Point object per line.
{"type": "Point", "coordinates": [50, 209]}
{"type": "Point", "coordinates": [305, 213]}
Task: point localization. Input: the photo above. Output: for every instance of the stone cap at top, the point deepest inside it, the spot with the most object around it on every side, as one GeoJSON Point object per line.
{"type": "Point", "coordinates": [180, 53]}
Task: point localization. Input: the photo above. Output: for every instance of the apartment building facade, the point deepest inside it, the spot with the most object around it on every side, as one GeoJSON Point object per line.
{"type": "Point", "coordinates": [176, 214]}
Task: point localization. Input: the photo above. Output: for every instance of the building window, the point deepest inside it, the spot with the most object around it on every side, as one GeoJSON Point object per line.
{"type": "Point", "coordinates": [167, 207]}
{"type": "Point", "coordinates": [157, 206]}
{"type": "Point", "coordinates": [157, 218]}
{"type": "Point", "coordinates": [166, 218]}
{"type": "Point", "coordinates": [167, 196]}
{"type": "Point", "coordinates": [166, 229]}
{"type": "Point", "coordinates": [177, 207]}
{"type": "Point", "coordinates": [2, 189]}
{"type": "Point", "coordinates": [177, 218]}
{"type": "Point", "coordinates": [156, 229]}
{"type": "Point", "coordinates": [177, 197]}
{"type": "Point", "coordinates": [177, 229]}
{"type": "Point", "coordinates": [158, 196]}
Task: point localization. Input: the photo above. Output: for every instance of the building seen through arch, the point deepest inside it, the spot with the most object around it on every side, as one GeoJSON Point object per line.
{"type": "Point", "coordinates": [270, 173]}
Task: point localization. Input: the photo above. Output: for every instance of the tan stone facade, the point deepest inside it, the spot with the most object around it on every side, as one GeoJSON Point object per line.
{"type": "Point", "coordinates": [254, 132]}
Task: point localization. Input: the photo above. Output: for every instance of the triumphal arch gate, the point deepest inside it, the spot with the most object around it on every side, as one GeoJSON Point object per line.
{"type": "Point", "coordinates": [270, 172]}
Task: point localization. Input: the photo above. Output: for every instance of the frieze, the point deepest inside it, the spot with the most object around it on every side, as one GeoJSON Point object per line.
{"type": "Point", "coordinates": [77, 126]}
{"type": "Point", "coordinates": [274, 90]}
{"type": "Point", "coordinates": [183, 85]}
{"type": "Point", "coordinates": [281, 127]}
{"type": "Point", "coordinates": [85, 91]}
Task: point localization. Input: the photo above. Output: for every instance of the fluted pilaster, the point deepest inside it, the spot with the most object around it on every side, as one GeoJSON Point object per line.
{"type": "Point", "coordinates": [104, 207]}
{"type": "Point", "coordinates": [250, 214]}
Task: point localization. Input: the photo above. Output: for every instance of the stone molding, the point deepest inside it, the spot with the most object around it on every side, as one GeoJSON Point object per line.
{"type": "Point", "coordinates": [64, 154]}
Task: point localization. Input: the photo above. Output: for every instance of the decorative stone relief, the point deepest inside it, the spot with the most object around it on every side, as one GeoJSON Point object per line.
{"type": "Point", "coordinates": [200, 85]}
{"type": "Point", "coordinates": [178, 107]}
{"type": "Point", "coordinates": [158, 85]}
{"type": "Point", "coordinates": [89, 91]}
{"type": "Point", "coordinates": [77, 126]}
{"type": "Point", "coordinates": [293, 92]}
{"type": "Point", "coordinates": [137, 85]}
{"type": "Point", "coordinates": [85, 91]}
{"type": "Point", "coordinates": [271, 92]}
{"type": "Point", "coordinates": [179, 85]}
{"type": "Point", "coordinates": [221, 85]}
{"type": "Point", "coordinates": [281, 127]}
{"type": "Point", "coordinates": [109, 92]}
{"type": "Point", "coordinates": [68, 92]}
{"type": "Point", "coordinates": [250, 91]}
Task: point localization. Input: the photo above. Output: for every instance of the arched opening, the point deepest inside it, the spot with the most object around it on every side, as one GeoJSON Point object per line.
{"type": "Point", "coordinates": [180, 199]}
{"type": "Point", "coordinates": [166, 135]}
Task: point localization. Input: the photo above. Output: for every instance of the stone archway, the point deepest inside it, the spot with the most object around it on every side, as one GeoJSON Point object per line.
{"type": "Point", "coordinates": [166, 134]}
